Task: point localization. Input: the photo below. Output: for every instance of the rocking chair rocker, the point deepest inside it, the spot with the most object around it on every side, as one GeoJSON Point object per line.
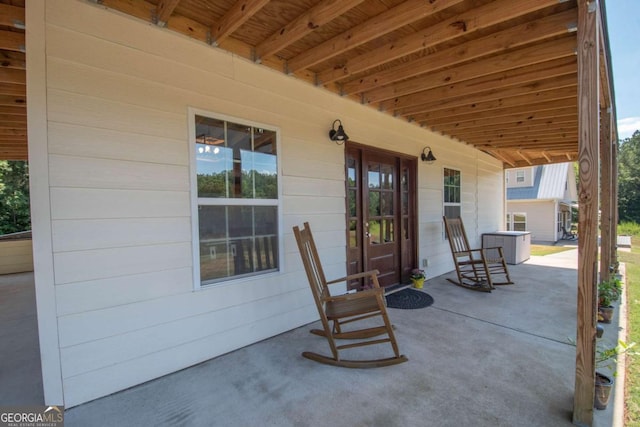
{"type": "Point", "coordinates": [477, 269]}
{"type": "Point", "coordinates": [344, 309]}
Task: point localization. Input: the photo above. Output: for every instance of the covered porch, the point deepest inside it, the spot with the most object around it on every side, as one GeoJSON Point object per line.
{"type": "Point", "coordinates": [503, 77]}
{"type": "Point", "coordinates": [500, 359]}
{"type": "Point", "coordinates": [474, 359]}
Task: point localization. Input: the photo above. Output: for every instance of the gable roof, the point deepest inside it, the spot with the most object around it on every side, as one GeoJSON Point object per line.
{"type": "Point", "coordinates": [549, 183]}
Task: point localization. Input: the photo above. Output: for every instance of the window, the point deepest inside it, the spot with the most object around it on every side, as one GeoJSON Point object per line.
{"type": "Point", "coordinates": [452, 205]}
{"type": "Point", "coordinates": [516, 221]}
{"type": "Point", "coordinates": [235, 174]}
{"type": "Point", "coordinates": [519, 176]}
{"type": "Point", "coordinates": [559, 222]}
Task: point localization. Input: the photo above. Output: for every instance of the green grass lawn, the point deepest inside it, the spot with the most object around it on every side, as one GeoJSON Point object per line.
{"type": "Point", "coordinates": [542, 250]}
{"type": "Point", "coordinates": [632, 264]}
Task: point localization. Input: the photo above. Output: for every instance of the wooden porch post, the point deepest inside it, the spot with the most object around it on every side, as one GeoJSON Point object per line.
{"type": "Point", "coordinates": [606, 206]}
{"type": "Point", "coordinates": [614, 199]}
{"type": "Point", "coordinates": [589, 135]}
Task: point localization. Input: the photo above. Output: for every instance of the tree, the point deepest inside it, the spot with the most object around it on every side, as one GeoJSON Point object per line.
{"type": "Point", "coordinates": [14, 197]}
{"type": "Point", "coordinates": [629, 179]}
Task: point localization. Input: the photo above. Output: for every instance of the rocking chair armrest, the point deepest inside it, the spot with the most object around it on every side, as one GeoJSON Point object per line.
{"type": "Point", "coordinates": [499, 248]}
{"type": "Point", "coordinates": [356, 295]}
{"type": "Point", "coordinates": [354, 276]}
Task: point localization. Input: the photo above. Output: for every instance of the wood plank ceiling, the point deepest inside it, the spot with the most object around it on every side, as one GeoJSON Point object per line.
{"type": "Point", "coordinates": [500, 75]}
{"type": "Point", "coordinates": [13, 93]}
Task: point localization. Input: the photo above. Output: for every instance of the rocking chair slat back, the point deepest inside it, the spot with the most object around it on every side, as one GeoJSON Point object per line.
{"type": "Point", "coordinates": [340, 310]}
{"type": "Point", "coordinates": [474, 268]}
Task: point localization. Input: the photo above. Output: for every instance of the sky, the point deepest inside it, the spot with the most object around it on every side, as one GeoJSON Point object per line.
{"type": "Point", "coordinates": [623, 22]}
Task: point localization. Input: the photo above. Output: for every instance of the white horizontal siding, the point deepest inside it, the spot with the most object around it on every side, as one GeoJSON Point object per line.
{"type": "Point", "coordinates": [101, 382]}
{"type": "Point", "coordinates": [119, 92]}
{"type": "Point", "coordinates": [92, 203]}
{"type": "Point", "coordinates": [112, 262]}
{"type": "Point", "coordinates": [87, 234]}
{"type": "Point", "coordinates": [82, 172]}
{"type": "Point", "coordinates": [541, 220]}
{"type": "Point", "coordinates": [78, 297]}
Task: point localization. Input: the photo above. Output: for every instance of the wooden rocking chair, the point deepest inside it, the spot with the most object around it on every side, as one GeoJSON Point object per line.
{"type": "Point", "coordinates": [344, 309]}
{"type": "Point", "coordinates": [477, 269]}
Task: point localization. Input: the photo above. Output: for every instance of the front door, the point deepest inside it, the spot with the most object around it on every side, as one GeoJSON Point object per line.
{"type": "Point", "coordinates": [380, 214]}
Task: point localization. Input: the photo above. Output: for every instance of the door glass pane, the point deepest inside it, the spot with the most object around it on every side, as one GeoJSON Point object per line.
{"type": "Point", "coordinates": [353, 234]}
{"type": "Point", "coordinates": [351, 172]}
{"type": "Point", "coordinates": [387, 231]}
{"type": "Point", "coordinates": [405, 179]}
{"type": "Point", "coordinates": [405, 222]}
{"type": "Point", "coordinates": [386, 204]}
{"type": "Point", "coordinates": [386, 175]}
{"type": "Point", "coordinates": [374, 203]}
{"type": "Point", "coordinates": [405, 204]}
{"type": "Point", "coordinates": [374, 176]}
{"type": "Point", "coordinates": [352, 203]}
{"type": "Point", "coordinates": [374, 231]}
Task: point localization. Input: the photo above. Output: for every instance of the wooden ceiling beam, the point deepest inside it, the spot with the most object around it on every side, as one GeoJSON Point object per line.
{"type": "Point", "coordinates": [462, 24]}
{"type": "Point", "coordinates": [319, 15]}
{"type": "Point", "coordinates": [424, 101]}
{"type": "Point", "coordinates": [12, 41]}
{"type": "Point", "coordinates": [13, 76]}
{"type": "Point", "coordinates": [526, 144]}
{"type": "Point", "coordinates": [499, 156]}
{"type": "Point", "coordinates": [16, 60]}
{"type": "Point", "coordinates": [19, 110]}
{"type": "Point", "coordinates": [13, 101]}
{"type": "Point", "coordinates": [238, 14]}
{"type": "Point", "coordinates": [13, 132]}
{"type": "Point", "coordinates": [479, 76]}
{"type": "Point", "coordinates": [401, 15]}
{"type": "Point", "coordinates": [491, 44]}
{"type": "Point", "coordinates": [12, 16]}
{"type": "Point", "coordinates": [13, 89]}
{"type": "Point", "coordinates": [568, 115]}
{"type": "Point", "coordinates": [509, 134]}
{"type": "Point", "coordinates": [164, 10]}
{"type": "Point", "coordinates": [516, 101]}
{"type": "Point", "coordinates": [542, 161]}
{"type": "Point", "coordinates": [518, 113]}
{"type": "Point", "coordinates": [538, 131]}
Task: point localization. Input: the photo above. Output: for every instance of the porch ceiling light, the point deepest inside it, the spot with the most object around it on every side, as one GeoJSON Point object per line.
{"type": "Point", "coordinates": [339, 136]}
{"type": "Point", "coordinates": [428, 157]}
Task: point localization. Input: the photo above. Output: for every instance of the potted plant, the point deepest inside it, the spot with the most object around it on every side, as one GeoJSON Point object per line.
{"type": "Point", "coordinates": [607, 357]}
{"type": "Point", "coordinates": [608, 292]}
{"type": "Point", "coordinates": [417, 277]}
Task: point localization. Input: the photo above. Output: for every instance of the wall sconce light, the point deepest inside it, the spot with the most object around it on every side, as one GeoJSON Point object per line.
{"type": "Point", "coordinates": [339, 136]}
{"type": "Point", "coordinates": [428, 157]}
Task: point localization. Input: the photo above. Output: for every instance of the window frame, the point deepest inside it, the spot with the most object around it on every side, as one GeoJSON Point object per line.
{"type": "Point", "coordinates": [445, 203]}
{"type": "Point", "coordinates": [520, 176]}
{"type": "Point", "coordinates": [225, 201]}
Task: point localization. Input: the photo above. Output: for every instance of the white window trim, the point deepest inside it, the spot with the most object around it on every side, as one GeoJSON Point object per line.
{"type": "Point", "coordinates": [442, 186]}
{"type": "Point", "coordinates": [444, 204]}
{"type": "Point", "coordinates": [193, 188]}
{"type": "Point", "coordinates": [512, 214]}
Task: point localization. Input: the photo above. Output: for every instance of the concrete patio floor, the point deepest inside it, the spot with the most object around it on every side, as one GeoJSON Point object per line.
{"type": "Point", "coordinates": [475, 359]}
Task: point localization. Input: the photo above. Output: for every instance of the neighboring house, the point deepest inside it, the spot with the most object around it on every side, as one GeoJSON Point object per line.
{"type": "Point", "coordinates": [540, 200]}
{"type": "Point", "coordinates": [167, 176]}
